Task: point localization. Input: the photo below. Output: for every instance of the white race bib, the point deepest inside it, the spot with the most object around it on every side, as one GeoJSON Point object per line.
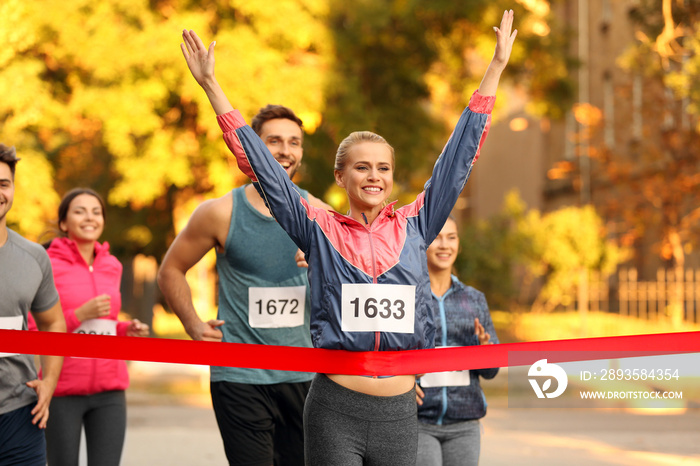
{"type": "Point", "coordinates": [11, 323]}
{"type": "Point", "coordinates": [445, 379]}
{"type": "Point", "coordinates": [378, 308]}
{"type": "Point", "coordinates": [98, 327]}
{"type": "Point", "coordinates": [276, 307]}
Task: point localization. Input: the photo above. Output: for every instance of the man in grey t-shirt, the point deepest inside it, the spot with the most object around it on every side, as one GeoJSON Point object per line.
{"type": "Point", "coordinates": [26, 284]}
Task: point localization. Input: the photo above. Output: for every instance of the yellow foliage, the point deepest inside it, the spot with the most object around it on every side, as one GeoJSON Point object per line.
{"type": "Point", "coordinates": [115, 65]}
{"type": "Point", "coordinates": [139, 235]}
{"type": "Point", "coordinates": [35, 201]}
{"type": "Point", "coordinates": [16, 34]}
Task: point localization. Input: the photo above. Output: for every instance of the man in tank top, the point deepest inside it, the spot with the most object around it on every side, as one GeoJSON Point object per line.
{"type": "Point", "coordinates": [263, 299]}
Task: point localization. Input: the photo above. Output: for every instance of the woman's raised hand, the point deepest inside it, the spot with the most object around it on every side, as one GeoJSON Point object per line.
{"type": "Point", "coordinates": [200, 60]}
{"type": "Point", "coordinates": [504, 45]}
{"type": "Point", "coordinates": [504, 40]}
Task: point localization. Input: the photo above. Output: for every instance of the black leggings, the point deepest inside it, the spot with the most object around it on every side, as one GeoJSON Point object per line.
{"type": "Point", "coordinates": [342, 426]}
{"type": "Point", "coordinates": [104, 417]}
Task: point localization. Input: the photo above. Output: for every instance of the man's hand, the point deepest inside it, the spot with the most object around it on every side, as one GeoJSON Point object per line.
{"type": "Point", "coordinates": [44, 390]}
{"type": "Point", "coordinates": [207, 331]}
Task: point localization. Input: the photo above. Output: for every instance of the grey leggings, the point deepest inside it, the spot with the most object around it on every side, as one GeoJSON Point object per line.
{"type": "Point", "coordinates": [345, 427]}
{"type": "Point", "coordinates": [104, 417]}
{"type": "Point", "coordinates": [449, 445]}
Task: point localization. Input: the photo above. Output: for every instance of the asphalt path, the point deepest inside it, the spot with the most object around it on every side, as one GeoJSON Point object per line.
{"type": "Point", "coordinates": [180, 429]}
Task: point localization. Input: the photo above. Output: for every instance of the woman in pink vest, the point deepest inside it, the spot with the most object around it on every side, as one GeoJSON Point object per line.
{"type": "Point", "coordinates": [90, 392]}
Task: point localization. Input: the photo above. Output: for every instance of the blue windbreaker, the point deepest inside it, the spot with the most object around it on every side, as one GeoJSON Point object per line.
{"type": "Point", "coordinates": [454, 322]}
{"type": "Point", "coordinates": [341, 250]}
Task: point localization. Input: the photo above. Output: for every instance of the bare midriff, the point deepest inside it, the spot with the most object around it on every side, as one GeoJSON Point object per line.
{"type": "Point", "coordinates": [389, 386]}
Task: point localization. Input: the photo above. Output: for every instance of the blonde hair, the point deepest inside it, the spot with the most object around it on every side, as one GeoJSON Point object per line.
{"type": "Point", "coordinates": [358, 137]}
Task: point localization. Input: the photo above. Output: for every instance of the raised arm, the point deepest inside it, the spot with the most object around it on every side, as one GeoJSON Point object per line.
{"type": "Point", "coordinates": [200, 61]}
{"type": "Point", "coordinates": [253, 157]}
{"type": "Point", "coordinates": [453, 167]}
{"type": "Point", "coordinates": [504, 45]}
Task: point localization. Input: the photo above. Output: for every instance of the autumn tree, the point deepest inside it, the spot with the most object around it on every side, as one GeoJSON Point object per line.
{"type": "Point", "coordinates": [521, 254]}
{"type": "Point", "coordinates": [563, 246]}
{"type": "Point", "coordinates": [657, 177]}
{"type": "Point", "coordinates": [97, 93]}
{"type": "Point", "coordinates": [652, 185]}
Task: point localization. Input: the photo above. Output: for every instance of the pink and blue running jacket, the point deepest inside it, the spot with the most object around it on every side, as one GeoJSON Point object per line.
{"type": "Point", "coordinates": [341, 250]}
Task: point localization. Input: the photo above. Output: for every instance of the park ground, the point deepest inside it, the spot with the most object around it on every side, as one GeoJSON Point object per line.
{"type": "Point", "coordinates": [170, 421]}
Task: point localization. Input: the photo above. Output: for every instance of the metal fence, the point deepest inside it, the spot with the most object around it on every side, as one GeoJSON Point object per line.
{"type": "Point", "coordinates": [673, 295]}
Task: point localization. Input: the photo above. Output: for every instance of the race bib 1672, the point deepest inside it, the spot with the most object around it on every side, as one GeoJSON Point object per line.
{"type": "Point", "coordinates": [276, 307]}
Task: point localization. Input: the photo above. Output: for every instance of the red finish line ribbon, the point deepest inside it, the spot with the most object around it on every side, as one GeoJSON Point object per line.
{"type": "Point", "coordinates": [291, 358]}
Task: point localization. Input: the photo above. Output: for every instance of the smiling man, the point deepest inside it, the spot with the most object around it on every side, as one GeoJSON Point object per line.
{"type": "Point", "coordinates": [263, 299]}
{"type": "Point", "coordinates": [26, 284]}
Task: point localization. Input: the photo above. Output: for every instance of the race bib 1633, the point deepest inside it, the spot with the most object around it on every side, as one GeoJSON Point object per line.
{"type": "Point", "coordinates": [378, 308]}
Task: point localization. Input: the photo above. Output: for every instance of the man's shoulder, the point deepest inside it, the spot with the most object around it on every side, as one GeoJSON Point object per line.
{"type": "Point", "coordinates": [215, 209]}
{"type": "Point", "coordinates": [31, 248]}
{"type": "Point", "coordinates": [26, 254]}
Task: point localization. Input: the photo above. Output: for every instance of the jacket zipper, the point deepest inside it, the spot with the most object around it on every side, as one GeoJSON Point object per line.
{"type": "Point", "coordinates": [377, 335]}
{"type": "Point", "coordinates": [93, 382]}
{"type": "Point", "coordinates": [443, 322]}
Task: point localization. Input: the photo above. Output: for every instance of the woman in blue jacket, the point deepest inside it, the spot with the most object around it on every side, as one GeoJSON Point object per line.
{"type": "Point", "coordinates": [450, 404]}
{"type": "Point", "coordinates": [368, 272]}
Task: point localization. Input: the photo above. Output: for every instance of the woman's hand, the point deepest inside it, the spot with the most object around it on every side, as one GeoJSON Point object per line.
{"type": "Point", "coordinates": [480, 333]}
{"type": "Point", "coordinates": [419, 395]}
{"type": "Point", "coordinates": [504, 45]}
{"type": "Point", "coordinates": [137, 329]}
{"type": "Point", "coordinates": [95, 308]}
{"type": "Point", "coordinates": [200, 60]}
{"type": "Point", "coordinates": [301, 259]}
{"type": "Point", "coordinates": [504, 40]}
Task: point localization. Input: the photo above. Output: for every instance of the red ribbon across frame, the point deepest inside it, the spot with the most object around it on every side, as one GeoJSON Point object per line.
{"type": "Point", "coordinates": [292, 358]}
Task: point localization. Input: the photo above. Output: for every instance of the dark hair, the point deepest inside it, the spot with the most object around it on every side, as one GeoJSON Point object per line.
{"type": "Point", "coordinates": [8, 155]}
{"type": "Point", "coordinates": [272, 112]}
{"type": "Point", "coordinates": [68, 198]}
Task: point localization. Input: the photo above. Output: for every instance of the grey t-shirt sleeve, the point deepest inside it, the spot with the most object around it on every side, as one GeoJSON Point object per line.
{"type": "Point", "coordinates": [47, 295]}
